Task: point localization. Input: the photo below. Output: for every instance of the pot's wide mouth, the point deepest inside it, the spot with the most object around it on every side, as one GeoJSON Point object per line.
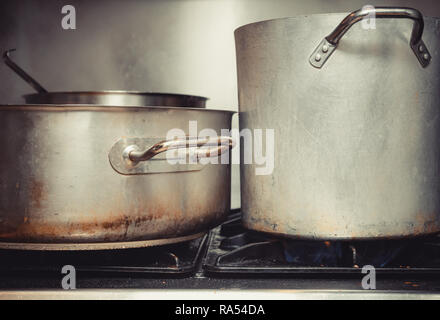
{"type": "Point", "coordinates": [103, 108]}
{"type": "Point", "coordinates": [118, 92]}
{"type": "Point", "coordinates": [116, 98]}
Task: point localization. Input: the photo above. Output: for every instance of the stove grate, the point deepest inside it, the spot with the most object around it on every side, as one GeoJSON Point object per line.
{"type": "Point", "coordinates": [179, 259]}
{"type": "Point", "coordinates": [234, 250]}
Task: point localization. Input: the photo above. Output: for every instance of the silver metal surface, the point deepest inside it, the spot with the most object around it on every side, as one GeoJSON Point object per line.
{"type": "Point", "coordinates": [220, 294]}
{"type": "Point", "coordinates": [188, 143]}
{"type": "Point", "coordinates": [140, 155]}
{"type": "Point", "coordinates": [320, 54]}
{"type": "Point", "coordinates": [95, 246]}
{"type": "Point", "coordinates": [57, 185]}
{"type": "Point", "coordinates": [117, 98]}
{"type": "Point", "coordinates": [120, 152]}
{"type": "Point", "coordinates": [356, 143]}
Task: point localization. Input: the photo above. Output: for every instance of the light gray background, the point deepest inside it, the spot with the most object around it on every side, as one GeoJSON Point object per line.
{"type": "Point", "coordinates": [182, 46]}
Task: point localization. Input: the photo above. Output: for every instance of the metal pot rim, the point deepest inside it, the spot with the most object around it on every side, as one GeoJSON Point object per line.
{"type": "Point", "coordinates": [109, 92]}
{"type": "Point", "coordinates": [94, 107]}
{"type": "Point", "coordinates": [306, 16]}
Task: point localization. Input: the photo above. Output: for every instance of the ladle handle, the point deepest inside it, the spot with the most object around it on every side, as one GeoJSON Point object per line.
{"type": "Point", "coordinates": [31, 81]}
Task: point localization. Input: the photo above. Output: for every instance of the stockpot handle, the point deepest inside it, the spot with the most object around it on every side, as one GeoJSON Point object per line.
{"type": "Point", "coordinates": [219, 146]}
{"type": "Point", "coordinates": [329, 44]}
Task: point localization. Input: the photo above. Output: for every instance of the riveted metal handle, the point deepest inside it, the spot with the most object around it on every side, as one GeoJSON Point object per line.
{"type": "Point", "coordinates": [134, 156]}
{"type": "Point", "coordinates": [329, 44]}
{"type": "Point", "coordinates": [219, 144]}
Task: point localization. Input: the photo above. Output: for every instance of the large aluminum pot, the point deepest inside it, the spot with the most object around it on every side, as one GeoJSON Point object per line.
{"type": "Point", "coordinates": [93, 177]}
{"type": "Point", "coordinates": [357, 124]}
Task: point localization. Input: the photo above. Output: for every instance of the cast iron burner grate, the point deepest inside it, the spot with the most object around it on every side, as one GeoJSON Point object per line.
{"type": "Point", "coordinates": [180, 259]}
{"type": "Point", "coordinates": [235, 250]}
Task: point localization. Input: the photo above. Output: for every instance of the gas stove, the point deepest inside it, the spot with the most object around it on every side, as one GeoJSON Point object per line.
{"type": "Point", "coordinates": [231, 257]}
{"type": "Point", "coordinates": [235, 250]}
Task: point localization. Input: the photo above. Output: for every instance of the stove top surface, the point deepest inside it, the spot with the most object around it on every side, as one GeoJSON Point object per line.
{"type": "Point", "coordinates": [173, 259]}
{"type": "Point", "coordinates": [231, 257]}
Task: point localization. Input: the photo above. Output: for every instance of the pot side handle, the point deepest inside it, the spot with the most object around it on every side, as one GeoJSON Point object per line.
{"type": "Point", "coordinates": [219, 145]}
{"type": "Point", "coordinates": [329, 44]}
{"type": "Point", "coordinates": [134, 156]}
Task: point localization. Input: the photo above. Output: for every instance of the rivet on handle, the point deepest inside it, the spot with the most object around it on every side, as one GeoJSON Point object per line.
{"type": "Point", "coordinates": [321, 53]}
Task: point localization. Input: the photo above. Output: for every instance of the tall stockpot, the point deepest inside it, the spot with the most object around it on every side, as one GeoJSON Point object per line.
{"type": "Point", "coordinates": [355, 111]}
{"type": "Point", "coordinates": [100, 177]}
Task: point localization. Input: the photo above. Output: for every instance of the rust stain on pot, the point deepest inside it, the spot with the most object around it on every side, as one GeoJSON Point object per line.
{"type": "Point", "coordinates": [92, 230]}
{"type": "Point", "coordinates": [425, 223]}
{"type": "Point", "coordinates": [326, 229]}
{"type": "Point", "coordinates": [153, 224]}
{"type": "Point", "coordinates": [118, 220]}
{"type": "Point", "coordinates": [37, 193]}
